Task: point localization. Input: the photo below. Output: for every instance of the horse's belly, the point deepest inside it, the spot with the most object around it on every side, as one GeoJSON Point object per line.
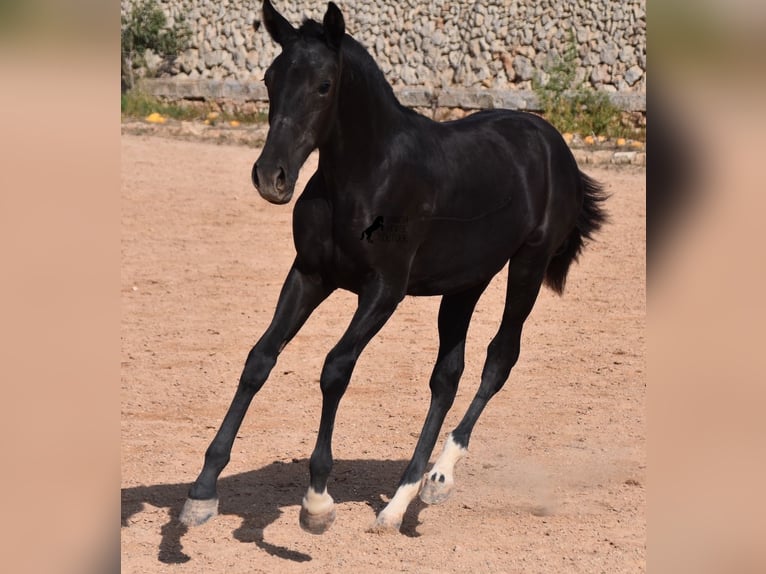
{"type": "Point", "coordinates": [458, 255]}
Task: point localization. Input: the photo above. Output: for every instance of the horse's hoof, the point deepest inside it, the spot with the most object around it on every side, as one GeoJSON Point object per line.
{"type": "Point", "coordinates": [316, 523]}
{"type": "Point", "coordinates": [385, 525]}
{"type": "Point", "coordinates": [436, 488]}
{"type": "Point", "coordinates": [196, 512]}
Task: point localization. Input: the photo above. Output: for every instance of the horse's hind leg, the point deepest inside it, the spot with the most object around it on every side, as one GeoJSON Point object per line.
{"type": "Point", "coordinates": [525, 276]}
{"type": "Point", "coordinates": [300, 295]}
{"type": "Point", "coordinates": [454, 316]}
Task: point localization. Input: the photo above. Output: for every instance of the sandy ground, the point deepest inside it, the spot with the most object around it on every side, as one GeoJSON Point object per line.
{"type": "Point", "coordinates": [555, 478]}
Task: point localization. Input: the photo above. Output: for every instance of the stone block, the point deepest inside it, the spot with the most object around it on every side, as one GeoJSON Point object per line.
{"type": "Point", "coordinates": [633, 74]}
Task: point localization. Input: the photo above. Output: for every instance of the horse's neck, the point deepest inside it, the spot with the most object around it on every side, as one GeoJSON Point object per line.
{"type": "Point", "coordinates": [368, 113]}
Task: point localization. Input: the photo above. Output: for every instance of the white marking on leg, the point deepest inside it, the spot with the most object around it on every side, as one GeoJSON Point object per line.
{"type": "Point", "coordinates": [317, 502]}
{"type": "Point", "coordinates": [196, 512]}
{"type": "Point", "coordinates": [439, 482]}
{"type": "Point", "coordinates": [449, 457]}
{"type": "Point", "coordinates": [391, 515]}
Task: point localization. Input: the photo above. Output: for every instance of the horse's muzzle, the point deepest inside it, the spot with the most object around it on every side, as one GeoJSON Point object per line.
{"type": "Point", "coordinates": [271, 183]}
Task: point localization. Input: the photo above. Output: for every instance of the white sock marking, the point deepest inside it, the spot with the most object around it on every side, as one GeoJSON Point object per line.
{"type": "Point", "coordinates": [449, 457]}
{"type": "Point", "coordinates": [397, 506]}
{"type": "Point", "coordinates": [317, 502]}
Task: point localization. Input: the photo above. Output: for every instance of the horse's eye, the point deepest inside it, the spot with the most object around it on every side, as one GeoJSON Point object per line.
{"type": "Point", "coordinates": [324, 87]}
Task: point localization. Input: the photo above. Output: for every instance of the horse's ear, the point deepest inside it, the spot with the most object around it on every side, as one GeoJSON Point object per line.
{"type": "Point", "coordinates": [334, 25]}
{"type": "Point", "coordinates": [279, 29]}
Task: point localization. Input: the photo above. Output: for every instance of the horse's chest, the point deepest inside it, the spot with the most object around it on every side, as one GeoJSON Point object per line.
{"type": "Point", "coordinates": [312, 232]}
{"type": "Point", "coordinates": [325, 242]}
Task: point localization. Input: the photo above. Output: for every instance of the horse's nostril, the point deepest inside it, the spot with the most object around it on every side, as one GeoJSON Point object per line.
{"type": "Point", "coordinates": [254, 176]}
{"type": "Point", "coordinates": [280, 182]}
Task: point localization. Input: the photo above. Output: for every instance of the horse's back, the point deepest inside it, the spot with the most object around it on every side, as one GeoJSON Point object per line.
{"type": "Point", "coordinates": [497, 157]}
{"type": "Point", "coordinates": [500, 177]}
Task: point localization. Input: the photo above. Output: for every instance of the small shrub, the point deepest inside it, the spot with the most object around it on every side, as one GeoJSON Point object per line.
{"type": "Point", "coordinates": [575, 108]}
{"type": "Point", "coordinates": [135, 104]}
{"type": "Point", "coordinates": [145, 28]}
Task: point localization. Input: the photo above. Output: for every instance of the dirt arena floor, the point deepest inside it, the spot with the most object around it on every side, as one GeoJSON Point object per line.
{"type": "Point", "coordinates": [555, 480]}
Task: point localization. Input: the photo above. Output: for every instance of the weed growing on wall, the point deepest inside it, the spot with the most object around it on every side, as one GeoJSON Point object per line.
{"type": "Point", "coordinates": [571, 106]}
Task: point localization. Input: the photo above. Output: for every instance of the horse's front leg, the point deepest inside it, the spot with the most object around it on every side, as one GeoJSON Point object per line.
{"type": "Point", "coordinates": [377, 303]}
{"type": "Point", "coordinates": [300, 295]}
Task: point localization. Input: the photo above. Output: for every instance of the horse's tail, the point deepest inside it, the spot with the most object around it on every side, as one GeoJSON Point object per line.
{"type": "Point", "coordinates": [590, 219]}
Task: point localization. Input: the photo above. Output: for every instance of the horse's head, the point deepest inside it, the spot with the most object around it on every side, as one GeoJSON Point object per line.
{"type": "Point", "coordinates": [302, 83]}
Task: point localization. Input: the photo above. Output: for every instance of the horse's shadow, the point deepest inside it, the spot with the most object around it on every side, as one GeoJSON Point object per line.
{"type": "Point", "coordinates": [258, 497]}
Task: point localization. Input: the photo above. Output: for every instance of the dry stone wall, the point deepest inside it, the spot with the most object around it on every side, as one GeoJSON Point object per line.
{"type": "Point", "coordinates": [489, 44]}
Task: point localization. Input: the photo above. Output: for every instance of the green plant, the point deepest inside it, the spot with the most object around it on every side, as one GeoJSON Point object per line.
{"type": "Point", "coordinates": [145, 28]}
{"type": "Point", "coordinates": [136, 104]}
{"type": "Point", "coordinates": [571, 107]}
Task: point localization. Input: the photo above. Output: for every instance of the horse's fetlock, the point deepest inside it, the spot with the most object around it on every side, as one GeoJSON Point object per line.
{"type": "Point", "coordinates": [444, 382]}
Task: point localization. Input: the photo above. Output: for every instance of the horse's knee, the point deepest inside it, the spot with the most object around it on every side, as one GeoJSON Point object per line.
{"type": "Point", "coordinates": [257, 368]}
{"type": "Point", "coordinates": [336, 373]}
{"type": "Point", "coordinates": [445, 379]}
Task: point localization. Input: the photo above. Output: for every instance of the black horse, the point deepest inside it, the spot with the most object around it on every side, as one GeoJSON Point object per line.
{"type": "Point", "coordinates": [470, 196]}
